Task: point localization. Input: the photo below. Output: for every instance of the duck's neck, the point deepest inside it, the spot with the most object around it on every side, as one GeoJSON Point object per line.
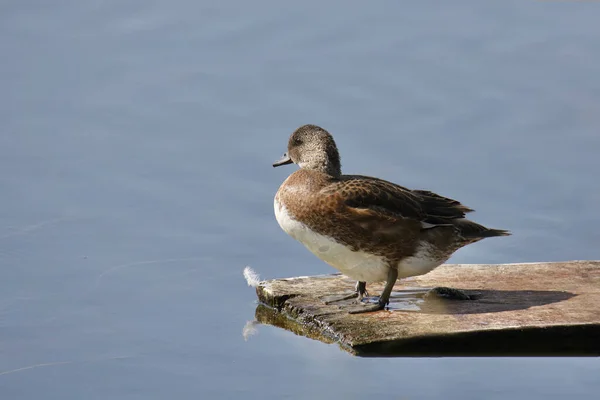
{"type": "Point", "coordinates": [328, 164]}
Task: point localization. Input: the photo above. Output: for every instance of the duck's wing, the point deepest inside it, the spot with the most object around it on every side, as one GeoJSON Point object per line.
{"type": "Point", "coordinates": [441, 206]}
{"type": "Point", "coordinates": [388, 200]}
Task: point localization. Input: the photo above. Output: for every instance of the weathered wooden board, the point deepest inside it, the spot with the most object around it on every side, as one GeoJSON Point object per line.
{"type": "Point", "coordinates": [519, 309]}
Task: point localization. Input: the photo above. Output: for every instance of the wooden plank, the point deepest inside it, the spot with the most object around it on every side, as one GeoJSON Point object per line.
{"type": "Point", "coordinates": [518, 309]}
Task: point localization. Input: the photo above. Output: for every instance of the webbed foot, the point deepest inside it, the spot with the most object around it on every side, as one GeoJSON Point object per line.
{"type": "Point", "coordinates": [380, 305]}
{"type": "Point", "coordinates": [360, 291]}
{"type": "Point", "coordinates": [384, 299]}
{"type": "Point", "coordinates": [334, 298]}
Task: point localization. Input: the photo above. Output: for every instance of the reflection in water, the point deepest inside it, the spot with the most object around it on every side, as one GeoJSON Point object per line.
{"type": "Point", "coordinates": [269, 316]}
{"type": "Point", "coordinates": [250, 329]}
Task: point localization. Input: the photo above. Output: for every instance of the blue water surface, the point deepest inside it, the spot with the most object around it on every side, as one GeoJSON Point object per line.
{"type": "Point", "coordinates": [136, 142]}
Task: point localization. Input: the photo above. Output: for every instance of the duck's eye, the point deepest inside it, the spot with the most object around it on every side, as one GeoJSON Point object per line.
{"type": "Point", "coordinates": [297, 141]}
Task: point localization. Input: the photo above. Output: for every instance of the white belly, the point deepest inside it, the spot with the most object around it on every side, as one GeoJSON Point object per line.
{"type": "Point", "coordinates": [356, 265]}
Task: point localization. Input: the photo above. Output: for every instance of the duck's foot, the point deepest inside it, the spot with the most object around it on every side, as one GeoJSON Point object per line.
{"type": "Point", "coordinates": [360, 291]}
{"type": "Point", "coordinates": [335, 298]}
{"type": "Point", "coordinates": [384, 299]}
{"type": "Point", "coordinates": [380, 305]}
{"type": "Point", "coordinates": [448, 293]}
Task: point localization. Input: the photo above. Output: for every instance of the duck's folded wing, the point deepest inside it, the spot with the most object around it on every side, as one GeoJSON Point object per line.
{"type": "Point", "coordinates": [441, 206]}
{"type": "Point", "coordinates": [393, 201]}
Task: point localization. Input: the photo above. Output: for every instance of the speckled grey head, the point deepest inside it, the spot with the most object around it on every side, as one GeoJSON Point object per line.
{"type": "Point", "coordinates": [312, 147]}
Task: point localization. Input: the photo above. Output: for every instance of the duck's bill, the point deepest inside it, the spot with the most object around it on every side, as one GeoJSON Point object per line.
{"type": "Point", "coordinates": [283, 160]}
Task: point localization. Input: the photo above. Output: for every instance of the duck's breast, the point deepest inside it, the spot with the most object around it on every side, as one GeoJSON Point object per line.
{"type": "Point", "coordinates": [356, 265]}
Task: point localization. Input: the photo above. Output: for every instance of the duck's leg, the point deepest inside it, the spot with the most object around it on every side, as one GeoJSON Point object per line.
{"type": "Point", "coordinates": [384, 299]}
{"type": "Point", "coordinates": [360, 291]}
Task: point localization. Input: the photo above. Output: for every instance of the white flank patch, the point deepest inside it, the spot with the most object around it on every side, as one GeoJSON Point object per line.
{"type": "Point", "coordinates": [419, 264]}
{"type": "Point", "coordinates": [252, 277]}
{"type": "Point", "coordinates": [356, 265]}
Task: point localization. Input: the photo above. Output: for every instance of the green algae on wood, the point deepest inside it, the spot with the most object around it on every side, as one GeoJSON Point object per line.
{"type": "Point", "coordinates": [517, 309]}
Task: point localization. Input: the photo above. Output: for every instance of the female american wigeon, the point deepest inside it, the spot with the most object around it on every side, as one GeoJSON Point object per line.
{"type": "Point", "coordinates": [370, 229]}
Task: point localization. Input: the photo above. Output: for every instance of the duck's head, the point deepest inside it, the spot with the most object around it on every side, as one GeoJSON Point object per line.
{"type": "Point", "coordinates": [312, 147]}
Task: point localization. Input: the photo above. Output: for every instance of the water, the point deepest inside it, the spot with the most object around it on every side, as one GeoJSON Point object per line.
{"type": "Point", "coordinates": [136, 141]}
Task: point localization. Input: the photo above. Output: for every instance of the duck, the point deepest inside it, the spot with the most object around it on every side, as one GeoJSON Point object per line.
{"type": "Point", "coordinates": [369, 229]}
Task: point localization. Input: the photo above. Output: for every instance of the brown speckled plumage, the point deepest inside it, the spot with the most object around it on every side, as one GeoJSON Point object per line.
{"type": "Point", "coordinates": [370, 214]}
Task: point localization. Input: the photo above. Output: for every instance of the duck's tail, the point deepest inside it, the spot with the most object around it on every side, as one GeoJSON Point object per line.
{"type": "Point", "coordinates": [473, 231]}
